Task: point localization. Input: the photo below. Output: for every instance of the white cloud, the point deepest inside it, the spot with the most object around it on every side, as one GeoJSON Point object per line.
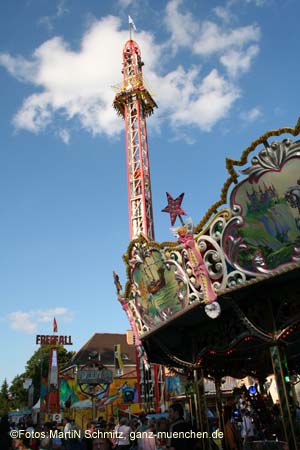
{"type": "Point", "coordinates": [64, 135]}
{"type": "Point", "coordinates": [257, 2]}
{"type": "Point", "coordinates": [19, 67]}
{"type": "Point", "coordinates": [214, 40]}
{"type": "Point", "coordinates": [252, 114]}
{"type": "Point", "coordinates": [28, 322]}
{"type": "Point", "coordinates": [35, 113]}
{"type": "Point", "coordinates": [48, 21]}
{"type": "Point", "coordinates": [126, 3]}
{"type": "Point", "coordinates": [238, 62]}
{"type": "Point", "coordinates": [182, 27]}
{"type": "Point", "coordinates": [61, 8]}
{"type": "Point", "coordinates": [223, 13]}
{"type": "Point", "coordinates": [76, 83]}
{"type": "Point", "coordinates": [47, 315]}
{"type": "Point", "coordinates": [206, 38]}
{"type": "Point", "coordinates": [203, 105]}
{"type": "Point", "coordinates": [21, 321]}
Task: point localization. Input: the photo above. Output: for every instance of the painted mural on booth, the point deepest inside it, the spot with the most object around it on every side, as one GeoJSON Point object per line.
{"type": "Point", "coordinates": [119, 392]}
{"type": "Point", "coordinates": [264, 233]}
{"type": "Point", "coordinates": [159, 291]}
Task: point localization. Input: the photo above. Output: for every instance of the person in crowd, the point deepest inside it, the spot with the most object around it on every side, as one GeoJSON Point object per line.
{"type": "Point", "coordinates": [231, 435]}
{"type": "Point", "coordinates": [162, 426]}
{"type": "Point", "coordinates": [111, 423]}
{"type": "Point", "coordinates": [134, 425]}
{"type": "Point", "coordinates": [122, 431]}
{"type": "Point", "coordinates": [101, 441]}
{"type": "Point", "coordinates": [148, 439]}
{"type": "Point", "coordinates": [143, 422]}
{"type": "Point", "coordinates": [110, 428]}
{"type": "Point", "coordinates": [242, 400]}
{"type": "Point", "coordinates": [29, 426]}
{"type": "Point", "coordinates": [33, 441]}
{"type": "Point", "coordinates": [75, 440]}
{"type": "Point", "coordinates": [46, 443]}
{"type": "Point", "coordinates": [20, 443]}
{"type": "Point", "coordinates": [87, 440]}
{"type": "Point", "coordinates": [67, 425]}
{"type": "Point", "coordinates": [101, 422]}
{"type": "Point", "coordinates": [247, 432]}
{"type": "Point", "coordinates": [243, 406]}
{"type": "Point", "coordinates": [5, 439]}
{"type": "Point", "coordinates": [71, 439]}
{"type": "Point", "coordinates": [178, 424]}
{"type": "Point", "coordinates": [57, 443]}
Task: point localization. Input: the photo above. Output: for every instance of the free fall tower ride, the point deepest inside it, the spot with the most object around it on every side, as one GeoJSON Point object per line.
{"type": "Point", "coordinates": [134, 103]}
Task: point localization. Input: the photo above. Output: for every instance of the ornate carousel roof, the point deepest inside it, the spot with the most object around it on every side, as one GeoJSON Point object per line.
{"type": "Point", "coordinates": [228, 289]}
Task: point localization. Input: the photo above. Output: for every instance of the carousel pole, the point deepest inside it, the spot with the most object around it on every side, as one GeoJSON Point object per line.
{"type": "Point", "coordinates": [202, 407]}
{"type": "Point", "coordinates": [281, 373]}
{"type": "Point", "coordinates": [218, 384]}
{"type": "Point", "coordinates": [280, 369]}
{"type": "Point", "coordinates": [200, 404]}
{"type": "Point", "coordinates": [93, 398]}
{"type": "Point", "coordinates": [197, 401]}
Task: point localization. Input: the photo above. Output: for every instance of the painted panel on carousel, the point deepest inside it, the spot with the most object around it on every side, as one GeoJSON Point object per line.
{"type": "Point", "coordinates": [174, 386]}
{"type": "Point", "coordinates": [159, 291]}
{"type": "Point", "coordinates": [120, 391]}
{"type": "Point", "coordinates": [264, 233]}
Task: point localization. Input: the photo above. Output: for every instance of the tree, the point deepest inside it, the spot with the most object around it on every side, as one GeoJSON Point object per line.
{"type": "Point", "coordinates": [17, 392]}
{"type": "Point", "coordinates": [38, 366]}
{"type": "Point", "coordinates": [4, 398]}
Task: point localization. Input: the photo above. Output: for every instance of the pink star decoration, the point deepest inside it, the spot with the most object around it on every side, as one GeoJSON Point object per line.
{"type": "Point", "coordinates": [174, 207]}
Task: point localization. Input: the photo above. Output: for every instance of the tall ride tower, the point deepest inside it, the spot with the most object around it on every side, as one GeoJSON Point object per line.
{"type": "Point", "coordinates": [134, 103]}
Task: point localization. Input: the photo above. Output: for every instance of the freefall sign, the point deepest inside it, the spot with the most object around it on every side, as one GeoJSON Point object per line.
{"type": "Point", "coordinates": [53, 340]}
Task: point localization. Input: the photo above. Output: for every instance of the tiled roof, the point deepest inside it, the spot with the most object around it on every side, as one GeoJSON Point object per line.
{"type": "Point", "coordinates": [103, 344]}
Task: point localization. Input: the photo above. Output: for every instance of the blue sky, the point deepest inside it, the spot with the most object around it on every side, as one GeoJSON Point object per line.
{"type": "Point", "coordinates": [222, 74]}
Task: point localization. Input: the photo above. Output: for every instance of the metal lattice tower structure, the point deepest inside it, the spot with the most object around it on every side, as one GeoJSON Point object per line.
{"type": "Point", "coordinates": [134, 103]}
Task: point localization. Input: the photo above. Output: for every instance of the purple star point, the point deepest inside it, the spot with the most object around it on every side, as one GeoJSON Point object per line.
{"type": "Point", "coordinates": [174, 207]}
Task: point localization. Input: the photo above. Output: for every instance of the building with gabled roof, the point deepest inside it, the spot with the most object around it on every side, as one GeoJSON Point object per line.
{"type": "Point", "coordinates": [101, 346]}
{"type": "Point", "coordinates": [115, 352]}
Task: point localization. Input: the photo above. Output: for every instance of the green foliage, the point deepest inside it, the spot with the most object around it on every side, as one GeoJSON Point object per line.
{"type": "Point", "coordinates": [38, 365]}
{"type": "Point", "coordinates": [18, 394]}
{"type": "Point", "coordinates": [15, 396]}
{"type": "Point", "coordinates": [4, 398]}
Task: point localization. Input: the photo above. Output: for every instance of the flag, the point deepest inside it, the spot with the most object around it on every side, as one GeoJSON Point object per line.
{"type": "Point", "coordinates": [131, 23]}
{"type": "Point", "coordinates": [118, 357]}
{"type": "Point", "coordinates": [54, 326]}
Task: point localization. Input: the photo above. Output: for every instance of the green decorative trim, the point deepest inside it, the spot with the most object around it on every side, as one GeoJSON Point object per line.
{"type": "Point", "coordinates": [230, 163]}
